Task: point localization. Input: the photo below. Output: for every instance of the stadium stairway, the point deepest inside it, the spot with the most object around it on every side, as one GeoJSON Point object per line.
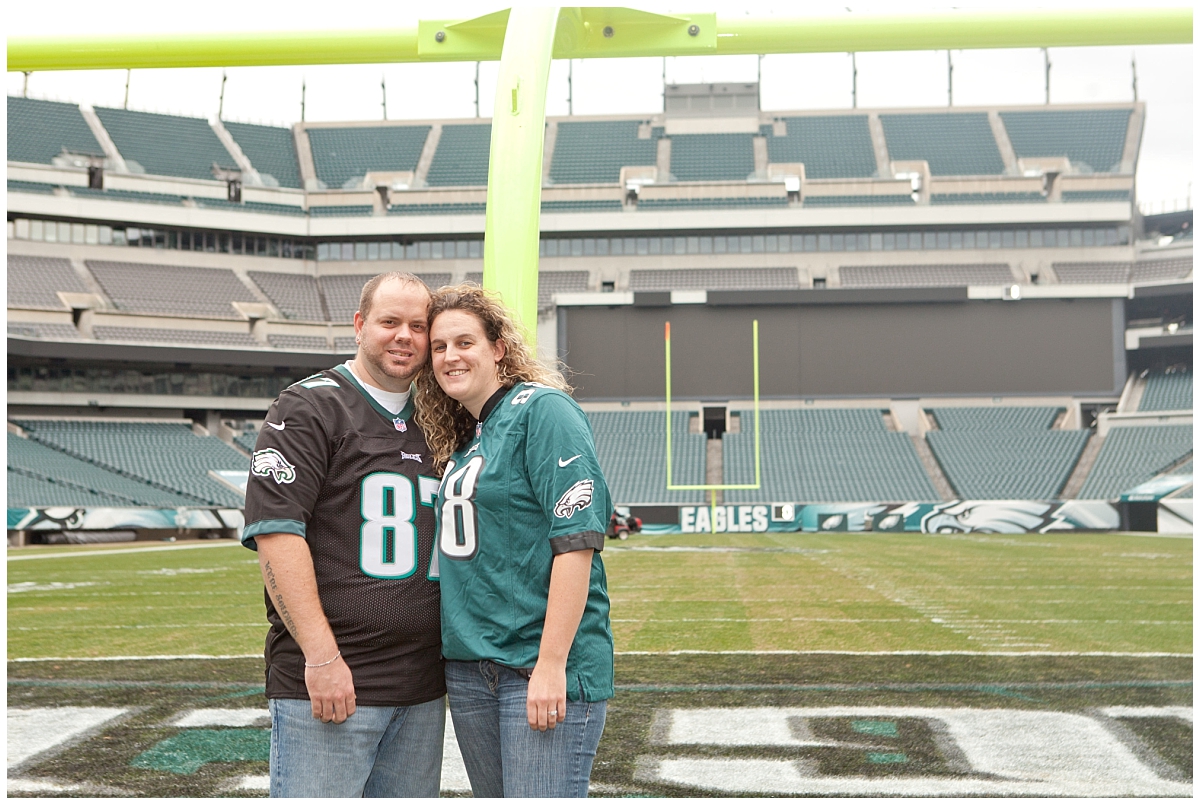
{"type": "Point", "coordinates": [932, 468]}
{"type": "Point", "coordinates": [1087, 460]}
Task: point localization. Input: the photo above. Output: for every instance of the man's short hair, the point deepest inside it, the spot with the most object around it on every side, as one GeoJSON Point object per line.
{"type": "Point", "coordinates": [368, 292]}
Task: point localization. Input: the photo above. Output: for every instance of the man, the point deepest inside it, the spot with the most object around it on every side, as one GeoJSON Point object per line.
{"type": "Point", "coordinates": [339, 509]}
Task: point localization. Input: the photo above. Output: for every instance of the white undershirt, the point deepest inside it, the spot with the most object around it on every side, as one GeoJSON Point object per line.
{"type": "Point", "coordinates": [393, 401]}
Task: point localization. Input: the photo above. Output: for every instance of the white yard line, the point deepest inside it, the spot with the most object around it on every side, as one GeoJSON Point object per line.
{"type": "Point", "coordinates": [105, 552]}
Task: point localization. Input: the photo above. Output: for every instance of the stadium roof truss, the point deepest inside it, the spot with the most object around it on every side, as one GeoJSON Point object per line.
{"type": "Point", "coordinates": [526, 39]}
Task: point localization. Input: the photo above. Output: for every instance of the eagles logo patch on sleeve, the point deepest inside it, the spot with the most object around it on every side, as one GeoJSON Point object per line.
{"type": "Point", "coordinates": [270, 462]}
{"type": "Point", "coordinates": [577, 498]}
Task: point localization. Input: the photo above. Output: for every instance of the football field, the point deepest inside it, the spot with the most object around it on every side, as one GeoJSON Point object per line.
{"type": "Point", "coordinates": [1041, 664]}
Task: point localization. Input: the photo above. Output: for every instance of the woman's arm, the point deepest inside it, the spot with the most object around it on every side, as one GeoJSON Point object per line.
{"type": "Point", "coordinates": [570, 575]}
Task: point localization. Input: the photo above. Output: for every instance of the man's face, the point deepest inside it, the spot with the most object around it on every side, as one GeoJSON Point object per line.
{"type": "Point", "coordinates": [393, 341]}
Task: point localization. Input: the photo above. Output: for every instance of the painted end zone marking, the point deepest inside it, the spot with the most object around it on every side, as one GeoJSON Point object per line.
{"type": "Point", "coordinates": [34, 731]}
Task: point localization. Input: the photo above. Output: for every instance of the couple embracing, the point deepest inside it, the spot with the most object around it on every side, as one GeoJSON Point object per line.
{"type": "Point", "coordinates": [428, 519]}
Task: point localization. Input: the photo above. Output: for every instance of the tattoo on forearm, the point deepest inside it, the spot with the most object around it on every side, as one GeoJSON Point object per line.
{"type": "Point", "coordinates": [277, 598]}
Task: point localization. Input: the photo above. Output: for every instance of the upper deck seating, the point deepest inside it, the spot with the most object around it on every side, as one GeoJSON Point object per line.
{"type": "Point", "coordinates": [138, 196]}
{"type": "Point", "coordinates": [151, 335]}
{"type": "Point", "coordinates": [174, 290]}
{"type": "Point", "coordinates": [953, 143]}
{"type": "Point", "coordinates": [1005, 453]}
{"type": "Point", "coordinates": [1095, 195]}
{"type": "Point", "coordinates": [824, 455]}
{"type": "Point", "coordinates": [734, 202]}
{"type": "Point", "coordinates": [342, 211]}
{"type": "Point", "coordinates": [713, 279]}
{"type": "Point", "coordinates": [34, 281]}
{"type": "Point", "coordinates": [41, 188]}
{"type": "Point", "coordinates": [166, 145]}
{"type": "Point", "coordinates": [249, 206]}
{"type": "Point", "coordinates": [167, 455]}
{"type": "Point", "coordinates": [986, 198]}
{"type": "Point", "coordinates": [462, 156]}
{"type": "Point", "coordinates": [343, 156]}
{"type": "Point", "coordinates": [38, 131]}
{"type": "Point", "coordinates": [890, 200]}
{"type": "Point", "coordinates": [270, 149]}
{"type": "Point", "coordinates": [296, 295]}
{"type": "Point", "coordinates": [593, 152]}
{"type": "Point", "coordinates": [448, 208]}
{"type": "Point", "coordinates": [1167, 391]}
{"type": "Point", "coordinates": [712, 157]}
{"type": "Point", "coordinates": [1093, 139]}
{"type": "Point", "coordinates": [830, 146]}
{"type": "Point", "coordinates": [583, 205]}
{"type": "Point", "coordinates": [925, 276]}
{"type": "Point", "coordinates": [631, 446]}
{"type": "Point", "coordinates": [1133, 455]}
{"type": "Point", "coordinates": [68, 478]}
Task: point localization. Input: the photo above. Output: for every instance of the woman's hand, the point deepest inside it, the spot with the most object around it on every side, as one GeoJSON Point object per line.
{"type": "Point", "coordinates": [546, 699]}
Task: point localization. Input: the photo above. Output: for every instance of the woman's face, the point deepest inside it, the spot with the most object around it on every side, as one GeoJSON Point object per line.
{"type": "Point", "coordinates": [464, 361]}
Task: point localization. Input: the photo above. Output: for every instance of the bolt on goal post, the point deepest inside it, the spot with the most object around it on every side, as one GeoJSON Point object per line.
{"type": "Point", "coordinates": [713, 488]}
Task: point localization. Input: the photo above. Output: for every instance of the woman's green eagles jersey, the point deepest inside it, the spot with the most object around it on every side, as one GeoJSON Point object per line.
{"type": "Point", "coordinates": [526, 488]}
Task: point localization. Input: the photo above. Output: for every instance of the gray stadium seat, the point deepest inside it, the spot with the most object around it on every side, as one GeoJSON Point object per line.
{"type": "Point", "coordinates": [299, 343]}
{"type": "Point", "coordinates": [150, 335]}
{"type": "Point", "coordinates": [175, 290]}
{"type": "Point", "coordinates": [33, 281]}
{"type": "Point", "coordinates": [296, 295]}
{"type": "Point", "coordinates": [924, 276]}
{"type": "Point", "coordinates": [713, 279]}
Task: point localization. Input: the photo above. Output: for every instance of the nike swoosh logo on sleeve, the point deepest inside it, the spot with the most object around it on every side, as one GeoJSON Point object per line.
{"type": "Point", "coordinates": [562, 463]}
{"type": "Point", "coordinates": [280, 426]}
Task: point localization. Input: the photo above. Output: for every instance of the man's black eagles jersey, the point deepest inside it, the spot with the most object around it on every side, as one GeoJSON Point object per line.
{"type": "Point", "coordinates": [335, 467]}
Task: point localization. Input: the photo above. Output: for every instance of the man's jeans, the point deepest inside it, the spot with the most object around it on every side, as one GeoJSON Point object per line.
{"type": "Point", "coordinates": [503, 756]}
{"type": "Point", "coordinates": [377, 752]}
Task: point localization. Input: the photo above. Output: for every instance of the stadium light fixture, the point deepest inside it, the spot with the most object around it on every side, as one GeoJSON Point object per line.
{"type": "Point", "coordinates": [526, 39]}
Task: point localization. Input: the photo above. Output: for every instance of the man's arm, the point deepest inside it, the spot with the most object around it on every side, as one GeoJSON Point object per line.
{"type": "Point", "coordinates": [570, 575]}
{"type": "Point", "coordinates": [291, 583]}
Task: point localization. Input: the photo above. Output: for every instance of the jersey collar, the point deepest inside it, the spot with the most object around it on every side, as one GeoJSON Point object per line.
{"type": "Point", "coordinates": [405, 413]}
{"type": "Point", "coordinates": [492, 402]}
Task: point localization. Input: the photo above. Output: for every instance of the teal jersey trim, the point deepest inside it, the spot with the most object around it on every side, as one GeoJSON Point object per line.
{"type": "Point", "coordinates": [406, 413]}
{"type": "Point", "coordinates": [271, 527]}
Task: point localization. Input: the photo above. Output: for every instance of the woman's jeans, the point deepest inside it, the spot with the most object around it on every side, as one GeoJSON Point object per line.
{"type": "Point", "coordinates": [503, 755]}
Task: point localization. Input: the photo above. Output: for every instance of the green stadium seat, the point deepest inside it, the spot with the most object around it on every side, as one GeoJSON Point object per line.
{"type": "Point", "coordinates": [631, 446]}
{"type": "Point", "coordinates": [1093, 139]}
{"type": "Point", "coordinates": [38, 131]}
{"type": "Point", "coordinates": [166, 145]}
{"type": "Point", "coordinates": [1133, 455]}
{"type": "Point", "coordinates": [712, 157]}
{"type": "Point", "coordinates": [830, 146]}
{"type": "Point", "coordinates": [343, 156]}
{"type": "Point", "coordinates": [462, 156]}
{"type": "Point", "coordinates": [650, 204]}
{"type": "Point", "coordinates": [1167, 391]}
{"type": "Point", "coordinates": [593, 152]}
{"type": "Point", "coordinates": [270, 149]}
{"type": "Point", "coordinates": [953, 143]}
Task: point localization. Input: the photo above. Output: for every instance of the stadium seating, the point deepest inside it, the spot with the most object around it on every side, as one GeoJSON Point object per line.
{"type": "Point", "coordinates": [150, 335]}
{"type": "Point", "coordinates": [343, 291]}
{"type": "Point", "coordinates": [1093, 139]}
{"type": "Point", "coordinates": [712, 157]}
{"type": "Point", "coordinates": [830, 146]}
{"type": "Point", "coordinates": [549, 283]}
{"type": "Point", "coordinates": [462, 156]}
{"type": "Point", "coordinates": [345, 155]}
{"type": "Point", "coordinates": [711, 203]}
{"type": "Point", "coordinates": [859, 201]}
{"type": "Point", "coordinates": [249, 206]}
{"type": "Point", "coordinates": [138, 196]}
{"type": "Point", "coordinates": [451, 208]}
{"type": "Point", "coordinates": [174, 290]}
{"type": "Point", "coordinates": [631, 446]}
{"type": "Point", "coordinates": [583, 205]}
{"type": "Point", "coordinates": [270, 149]}
{"type": "Point", "coordinates": [53, 332]}
{"type": "Point", "coordinates": [953, 143]}
{"type": "Point", "coordinates": [713, 279]}
{"type": "Point", "coordinates": [344, 345]}
{"type": "Point", "coordinates": [1092, 272]}
{"type": "Point", "coordinates": [919, 276]}
{"type": "Point", "coordinates": [824, 456]}
{"type": "Point", "coordinates": [343, 211]}
{"type": "Point", "coordinates": [166, 145]}
{"type": "Point", "coordinates": [296, 295]}
{"type": "Point", "coordinates": [1095, 195]}
{"type": "Point", "coordinates": [63, 479]}
{"type": "Point", "coordinates": [167, 455]}
{"type": "Point", "coordinates": [593, 152]}
{"type": "Point", "coordinates": [33, 281]}
{"type": "Point", "coordinates": [1004, 453]}
{"type": "Point", "coordinates": [38, 131]}
{"type": "Point", "coordinates": [1167, 391]}
{"type": "Point", "coordinates": [986, 198]}
{"type": "Point", "coordinates": [1132, 456]}
{"type": "Point", "coordinates": [299, 343]}
{"type": "Point", "coordinates": [15, 186]}
{"type": "Point", "coordinates": [1152, 270]}
{"type": "Point", "coordinates": [246, 440]}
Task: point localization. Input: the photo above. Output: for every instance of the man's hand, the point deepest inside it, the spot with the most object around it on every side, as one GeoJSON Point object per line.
{"type": "Point", "coordinates": [331, 690]}
{"type": "Point", "coordinates": [546, 698]}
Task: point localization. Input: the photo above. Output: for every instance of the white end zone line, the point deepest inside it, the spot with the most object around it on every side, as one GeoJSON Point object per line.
{"type": "Point", "coordinates": [683, 652]}
{"type": "Point", "coordinates": [110, 552]}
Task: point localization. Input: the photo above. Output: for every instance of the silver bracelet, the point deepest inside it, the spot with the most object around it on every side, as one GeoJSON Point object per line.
{"type": "Point", "coordinates": [322, 664]}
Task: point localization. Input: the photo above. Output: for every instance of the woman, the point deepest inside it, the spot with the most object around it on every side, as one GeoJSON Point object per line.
{"type": "Point", "coordinates": [522, 512]}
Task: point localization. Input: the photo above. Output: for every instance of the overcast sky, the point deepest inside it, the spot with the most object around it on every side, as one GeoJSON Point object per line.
{"type": "Point", "coordinates": [614, 86]}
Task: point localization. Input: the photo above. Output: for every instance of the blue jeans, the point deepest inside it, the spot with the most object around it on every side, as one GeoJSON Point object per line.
{"type": "Point", "coordinates": [503, 756]}
{"type": "Point", "coordinates": [377, 752]}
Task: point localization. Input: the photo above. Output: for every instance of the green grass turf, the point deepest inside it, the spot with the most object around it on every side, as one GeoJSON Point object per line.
{"type": "Point", "coordinates": [727, 592]}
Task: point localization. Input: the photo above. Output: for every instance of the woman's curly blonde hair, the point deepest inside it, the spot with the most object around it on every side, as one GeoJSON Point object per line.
{"type": "Point", "coordinates": [447, 424]}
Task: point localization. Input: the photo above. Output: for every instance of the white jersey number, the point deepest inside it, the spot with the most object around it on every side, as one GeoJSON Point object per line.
{"type": "Point", "coordinates": [459, 535]}
{"type": "Point", "coordinates": [388, 537]}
